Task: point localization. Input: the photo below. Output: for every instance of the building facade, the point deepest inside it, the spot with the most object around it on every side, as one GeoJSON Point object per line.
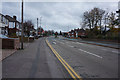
{"type": "Point", "coordinates": [77, 33]}
{"type": "Point", "coordinates": [4, 23]}
{"type": "Point", "coordinates": [14, 26]}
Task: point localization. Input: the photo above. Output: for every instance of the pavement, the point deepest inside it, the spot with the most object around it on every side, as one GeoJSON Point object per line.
{"type": "Point", "coordinates": [8, 52]}
{"type": "Point", "coordinates": [35, 61]}
{"type": "Point", "coordinates": [88, 61]}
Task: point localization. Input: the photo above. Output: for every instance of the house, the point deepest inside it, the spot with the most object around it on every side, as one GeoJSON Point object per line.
{"type": "Point", "coordinates": [65, 34]}
{"type": "Point", "coordinates": [3, 25]}
{"type": "Point", "coordinates": [72, 34]}
{"type": "Point", "coordinates": [77, 33]}
{"type": "Point", "coordinates": [14, 27]}
{"type": "Point", "coordinates": [81, 33]}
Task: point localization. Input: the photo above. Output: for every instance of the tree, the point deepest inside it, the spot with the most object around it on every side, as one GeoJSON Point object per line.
{"type": "Point", "coordinates": [60, 33]}
{"type": "Point", "coordinates": [28, 26]}
{"type": "Point", "coordinates": [111, 20]}
{"type": "Point", "coordinates": [93, 19]}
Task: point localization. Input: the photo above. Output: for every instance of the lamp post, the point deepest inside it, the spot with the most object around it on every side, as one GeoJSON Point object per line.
{"type": "Point", "coordinates": [22, 26]}
{"type": "Point", "coordinates": [40, 23]}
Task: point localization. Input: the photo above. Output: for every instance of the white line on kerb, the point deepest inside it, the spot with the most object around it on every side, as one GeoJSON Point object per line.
{"type": "Point", "coordinates": [91, 53]}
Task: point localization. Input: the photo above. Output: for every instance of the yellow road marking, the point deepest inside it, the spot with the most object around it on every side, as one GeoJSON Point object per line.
{"type": "Point", "coordinates": [68, 67]}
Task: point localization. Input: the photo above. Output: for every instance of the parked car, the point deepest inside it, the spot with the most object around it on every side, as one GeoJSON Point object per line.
{"type": "Point", "coordinates": [31, 38]}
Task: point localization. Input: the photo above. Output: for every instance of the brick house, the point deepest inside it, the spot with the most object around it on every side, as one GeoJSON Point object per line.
{"type": "Point", "coordinates": [14, 27]}
{"type": "Point", "coordinates": [77, 33]}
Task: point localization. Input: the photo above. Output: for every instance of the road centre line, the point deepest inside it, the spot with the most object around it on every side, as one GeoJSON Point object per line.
{"type": "Point", "coordinates": [105, 49]}
{"type": "Point", "coordinates": [70, 46]}
{"type": "Point", "coordinates": [116, 52]}
{"type": "Point", "coordinates": [112, 51]}
{"type": "Point", "coordinates": [60, 42]}
{"type": "Point", "coordinates": [54, 42]}
{"type": "Point", "coordinates": [91, 53]}
{"type": "Point", "coordinates": [65, 64]}
{"type": "Point", "coordinates": [79, 43]}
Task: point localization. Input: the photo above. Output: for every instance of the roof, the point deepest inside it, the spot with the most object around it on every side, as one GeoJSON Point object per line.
{"type": "Point", "coordinates": [10, 18]}
{"type": "Point", "coordinates": [1, 14]}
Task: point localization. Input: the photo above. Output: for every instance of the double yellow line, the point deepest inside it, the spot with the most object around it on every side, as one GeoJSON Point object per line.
{"type": "Point", "coordinates": [73, 74]}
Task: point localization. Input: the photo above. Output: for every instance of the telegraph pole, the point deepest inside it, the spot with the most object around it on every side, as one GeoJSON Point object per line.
{"type": "Point", "coordinates": [22, 26]}
{"type": "Point", "coordinates": [37, 26]}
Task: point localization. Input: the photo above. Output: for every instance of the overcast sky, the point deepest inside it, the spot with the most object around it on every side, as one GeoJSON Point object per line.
{"type": "Point", "coordinates": [58, 16]}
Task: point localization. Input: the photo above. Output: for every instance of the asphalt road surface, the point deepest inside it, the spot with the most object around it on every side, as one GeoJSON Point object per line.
{"type": "Point", "coordinates": [89, 61]}
{"type": "Point", "coordinates": [38, 60]}
{"type": "Point", "coordinates": [35, 61]}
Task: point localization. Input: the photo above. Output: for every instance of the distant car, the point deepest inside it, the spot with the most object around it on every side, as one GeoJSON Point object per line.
{"type": "Point", "coordinates": [31, 36]}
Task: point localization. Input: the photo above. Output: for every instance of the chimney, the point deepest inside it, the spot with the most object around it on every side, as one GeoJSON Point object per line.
{"type": "Point", "coordinates": [14, 17]}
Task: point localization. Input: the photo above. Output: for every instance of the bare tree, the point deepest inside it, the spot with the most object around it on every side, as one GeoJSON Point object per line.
{"type": "Point", "coordinates": [111, 20]}
{"type": "Point", "coordinates": [93, 18]}
{"type": "Point", "coordinates": [28, 26]}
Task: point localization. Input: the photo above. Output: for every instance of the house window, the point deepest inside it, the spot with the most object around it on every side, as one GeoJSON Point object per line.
{"type": "Point", "coordinates": [1, 18]}
{"type": "Point", "coordinates": [11, 24]}
{"type": "Point", "coordinates": [17, 25]}
{"type": "Point", "coordinates": [6, 22]}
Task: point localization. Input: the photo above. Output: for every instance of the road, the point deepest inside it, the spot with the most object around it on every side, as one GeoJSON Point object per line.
{"type": "Point", "coordinates": [38, 60]}
{"type": "Point", "coordinates": [35, 61]}
{"type": "Point", "coordinates": [89, 61]}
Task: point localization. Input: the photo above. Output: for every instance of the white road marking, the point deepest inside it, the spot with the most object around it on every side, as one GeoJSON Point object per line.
{"type": "Point", "coordinates": [115, 51]}
{"type": "Point", "coordinates": [112, 51]}
{"type": "Point", "coordinates": [70, 46]}
{"type": "Point", "coordinates": [73, 42]}
{"type": "Point", "coordinates": [67, 42]}
{"type": "Point", "coordinates": [79, 43]}
{"type": "Point", "coordinates": [54, 42]}
{"type": "Point", "coordinates": [91, 53]}
{"type": "Point", "coordinates": [61, 42]}
{"type": "Point", "coordinates": [105, 49]}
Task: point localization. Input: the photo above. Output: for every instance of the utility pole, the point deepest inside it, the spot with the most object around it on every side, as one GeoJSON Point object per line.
{"type": "Point", "coordinates": [40, 23]}
{"type": "Point", "coordinates": [37, 26]}
{"type": "Point", "coordinates": [22, 26]}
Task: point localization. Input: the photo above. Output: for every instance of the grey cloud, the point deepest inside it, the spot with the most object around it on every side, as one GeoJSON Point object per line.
{"type": "Point", "coordinates": [56, 16]}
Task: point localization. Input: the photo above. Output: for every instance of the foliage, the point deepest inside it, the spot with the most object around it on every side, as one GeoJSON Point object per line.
{"type": "Point", "coordinates": [100, 24]}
